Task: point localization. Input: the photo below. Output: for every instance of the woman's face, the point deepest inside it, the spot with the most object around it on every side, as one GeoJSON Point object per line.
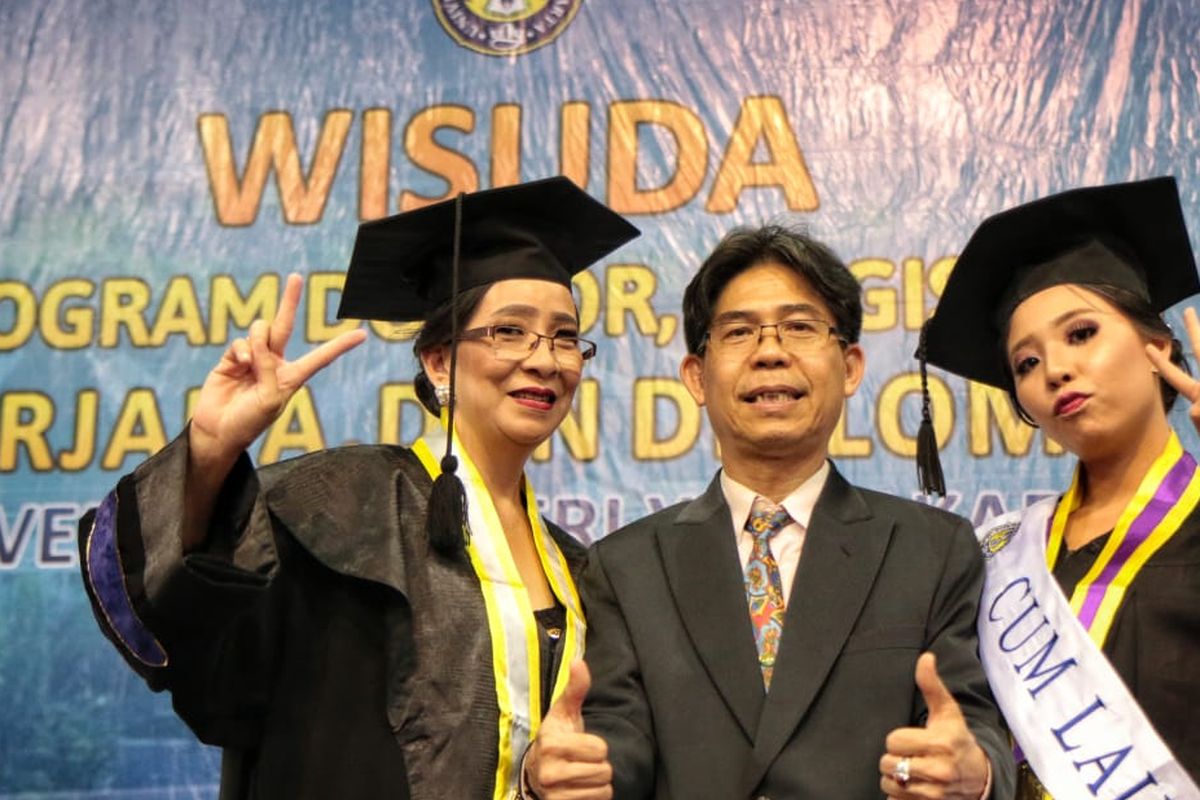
{"type": "Point", "coordinates": [1081, 370]}
{"type": "Point", "coordinates": [508, 402]}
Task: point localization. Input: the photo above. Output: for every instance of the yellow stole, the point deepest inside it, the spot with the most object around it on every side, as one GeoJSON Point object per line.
{"type": "Point", "coordinates": [511, 623]}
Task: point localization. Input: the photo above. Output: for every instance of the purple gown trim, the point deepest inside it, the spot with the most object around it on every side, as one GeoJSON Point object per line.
{"type": "Point", "coordinates": [108, 583]}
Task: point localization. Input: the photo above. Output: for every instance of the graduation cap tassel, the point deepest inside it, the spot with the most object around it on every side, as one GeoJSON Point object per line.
{"type": "Point", "coordinates": [447, 518]}
{"type": "Point", "coordinates": [929, 465]}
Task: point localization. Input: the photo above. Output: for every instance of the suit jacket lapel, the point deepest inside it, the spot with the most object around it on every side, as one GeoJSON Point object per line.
{"type": "Point", "coordinates": [701, 562]}
{"type": "Point", "coordinates": [843, 550]}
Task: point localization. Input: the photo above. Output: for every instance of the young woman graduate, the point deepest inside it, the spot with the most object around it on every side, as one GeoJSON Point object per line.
{"type": "Point", "coordinates": [1090, 621]}
{"type": "Point", "coordinates": [372, 621]}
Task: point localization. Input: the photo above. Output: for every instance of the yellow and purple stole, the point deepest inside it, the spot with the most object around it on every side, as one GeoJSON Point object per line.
{"type": "Point", "coordinates": [1073, 718]}
{"type": "Point", "coordinates": [1166, 496]}
{"type": "Point", "coordinates": [514, 630]}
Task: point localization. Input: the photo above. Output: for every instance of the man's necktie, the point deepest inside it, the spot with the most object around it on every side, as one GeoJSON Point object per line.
{"type": "Point", "coordinates": [764, 586]}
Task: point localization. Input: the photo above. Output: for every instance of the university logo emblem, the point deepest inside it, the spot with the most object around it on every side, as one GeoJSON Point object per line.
{"type": "Point", "coordinates": [997, 539]}
{"type": "Point", "coordinates": [505, 27]}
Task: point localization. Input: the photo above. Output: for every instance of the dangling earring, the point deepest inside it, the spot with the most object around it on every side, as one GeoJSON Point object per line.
{"type": "Point", "coordinates": [442, 393]}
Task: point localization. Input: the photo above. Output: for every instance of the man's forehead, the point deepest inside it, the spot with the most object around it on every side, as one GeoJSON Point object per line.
{"type": "Point", "coordinates": [767, 285]}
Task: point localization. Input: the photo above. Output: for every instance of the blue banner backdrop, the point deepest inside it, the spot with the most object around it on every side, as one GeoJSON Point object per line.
{"type": "Point", "coordinates": [164, 164]}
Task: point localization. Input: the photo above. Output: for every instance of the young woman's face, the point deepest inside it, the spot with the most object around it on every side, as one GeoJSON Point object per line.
{"type": "Point", "coordinates": [1081, 370]}
{"type": "Point", "coordinates": [506, 399]}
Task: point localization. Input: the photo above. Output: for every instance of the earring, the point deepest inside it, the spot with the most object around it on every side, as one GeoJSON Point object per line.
{"type": "Point", "coordinates": [442, 393]}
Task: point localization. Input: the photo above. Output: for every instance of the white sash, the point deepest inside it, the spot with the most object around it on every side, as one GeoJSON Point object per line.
{"type": "Point", "coordinates": [1082, 731]}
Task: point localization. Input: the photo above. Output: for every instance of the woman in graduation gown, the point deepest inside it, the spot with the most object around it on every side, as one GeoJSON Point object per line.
{"type": "Point", "coordinates": [372, 621]}
{"type": "Point", "coordinates": [1090, 621]}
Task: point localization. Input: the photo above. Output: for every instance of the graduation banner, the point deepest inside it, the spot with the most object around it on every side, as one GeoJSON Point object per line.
{"type": "Point", "coordinates": [164, 166]}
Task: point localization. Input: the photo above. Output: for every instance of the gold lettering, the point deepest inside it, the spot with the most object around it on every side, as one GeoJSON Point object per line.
{"type": "Point", "coordinates": [424, 151]}
{"type": "Point", "coordinates": [580, 429]}
{"type": "Point", "coordinates": [86, 404]}
{"type": "Point", "coordinates": [625, 121]}
{"type": "Point", "coordinates": [124, 301]}
{"type": "Point", "coordinates": [179, 313]}
{"type": "Point", "coordinates": [628, 288]}
{"type": "Point", "coordinates": [914, 294]}
{"type": "Point", "coordinates": [647, 444]}
{"type": "Point", "coordinates": [575, 141]}
{"type": "Point", "coordinates": [879, 303]}
{"type": "Point", "coordinates": [888, 408]}
{"type": "Point", "coordinates": [317, 328]}
{"type": "Point", "coordinates": [393, 398]}
{"type": "Point", "coordinates": [588, 286]}
{"type": "Point", "coordinates": [506, 144]}
{"type": "Point", "coordinates": [138, 429]}
{"type": "Point", "coordinates": [24, 419]}
{"type": "Point", "coordinates": [297, 428]}
{"type": "Point", "coordinates": [762, 119]}
{"type": "Point", "coordinates": [375, 164]}
{"type": "Point", "coordinates": [229, 305]}
{"type": "Point", "coordinates": [939, 273]}
{"type": "Point", "coordinates": [24, 317]}
{"type": "Point", "coordinates": [843, 445]}
{"type": "Point", "coordinates": [302, 197]}
{"type": "Point", "coordinates": [989, 404]}
{"type": "Point", "coordinates": [76, 331]}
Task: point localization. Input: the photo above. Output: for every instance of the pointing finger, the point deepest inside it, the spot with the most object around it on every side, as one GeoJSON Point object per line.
{"type": "Point", "coordinates": [303, 368]}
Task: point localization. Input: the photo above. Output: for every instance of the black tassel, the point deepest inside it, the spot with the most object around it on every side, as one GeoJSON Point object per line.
{"type": "Point", "coordinates": [929, 465]}
{"type": "Point", "coordinates": [446, 521]}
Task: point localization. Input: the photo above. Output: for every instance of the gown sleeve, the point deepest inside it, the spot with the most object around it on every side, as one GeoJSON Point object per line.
{"type": "Point", "coordinates": [202, 625]}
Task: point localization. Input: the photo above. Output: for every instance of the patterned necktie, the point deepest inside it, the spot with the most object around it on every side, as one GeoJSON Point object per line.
{"type": "Point", "coordinates": [764, 586]}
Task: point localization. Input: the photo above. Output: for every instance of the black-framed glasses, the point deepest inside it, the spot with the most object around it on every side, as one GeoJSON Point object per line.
{"type": "Point", "coordinates": [796, 335]}
{"type": "Point", "coordinates": [514, 343]}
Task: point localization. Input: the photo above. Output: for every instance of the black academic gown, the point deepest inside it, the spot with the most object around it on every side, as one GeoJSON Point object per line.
{"type": "Point", "coordinates": [1154, 643]}
{"type": "Point", "coordinates": [316, 638]}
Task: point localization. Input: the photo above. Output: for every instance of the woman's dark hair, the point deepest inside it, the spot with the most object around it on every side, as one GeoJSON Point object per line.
{"type": "Point", "coordinates": [743, 248]}
{"type": "Point", "coordinates": [1144, 319]}
{"type": "Point", "coordinates": [437, 331]}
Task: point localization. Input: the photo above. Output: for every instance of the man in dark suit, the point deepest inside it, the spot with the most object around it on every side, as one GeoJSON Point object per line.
{"type": "Point", "coordinates": [766, 638]}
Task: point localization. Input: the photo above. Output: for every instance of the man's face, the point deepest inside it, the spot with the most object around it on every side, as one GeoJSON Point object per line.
{"type": "Point", "coordinates": [773, 399]}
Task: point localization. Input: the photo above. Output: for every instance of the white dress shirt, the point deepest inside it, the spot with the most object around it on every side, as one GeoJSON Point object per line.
{"type": "Point", "coordinates": [789, 542]}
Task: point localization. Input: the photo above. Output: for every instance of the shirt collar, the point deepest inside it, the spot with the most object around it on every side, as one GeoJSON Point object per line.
{"type": "Point", "coordinates": [799, 503]}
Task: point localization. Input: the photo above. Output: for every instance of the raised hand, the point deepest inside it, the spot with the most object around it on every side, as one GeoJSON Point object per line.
{"type": "Point", "coordinates": [941, 759]}
{"type": "Point", "coordinates": [253, 382]}
{"type": "Point", "coordinates": [565, 763]}
{"type": "Point", "coordinates": [1187, 386]}
{"type": "Point", "coordinates": [241, 397]}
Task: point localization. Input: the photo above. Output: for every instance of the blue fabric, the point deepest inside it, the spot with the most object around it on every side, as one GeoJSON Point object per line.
{"type": "Point", "coordinates": [108, 582]}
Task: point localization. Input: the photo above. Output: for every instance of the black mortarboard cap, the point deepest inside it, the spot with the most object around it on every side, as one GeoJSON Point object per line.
{"type": "Point", "coordinates": [548, 229]}
{"type": "Point", "coordinates": [405, 266]}
{"type": "Point", "coordinates": [1128, 235]}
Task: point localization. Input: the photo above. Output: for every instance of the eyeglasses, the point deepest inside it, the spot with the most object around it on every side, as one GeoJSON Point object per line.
{"type": "Point", "coordinates": [514, 343]}
{"type": "Point", "coordinates": [795, 335]}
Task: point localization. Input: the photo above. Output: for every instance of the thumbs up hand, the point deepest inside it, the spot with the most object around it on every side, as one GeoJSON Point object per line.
{"type": "Point", "coordinates": [563, 761]}
{"type": "Point", "coordinates": [941, 759]}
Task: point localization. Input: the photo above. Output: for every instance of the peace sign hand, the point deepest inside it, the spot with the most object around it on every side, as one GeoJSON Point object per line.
{"type": "Point", "coordinates": [252, 382]}
{"type": "Point", "coordinates": [1187, 386]}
